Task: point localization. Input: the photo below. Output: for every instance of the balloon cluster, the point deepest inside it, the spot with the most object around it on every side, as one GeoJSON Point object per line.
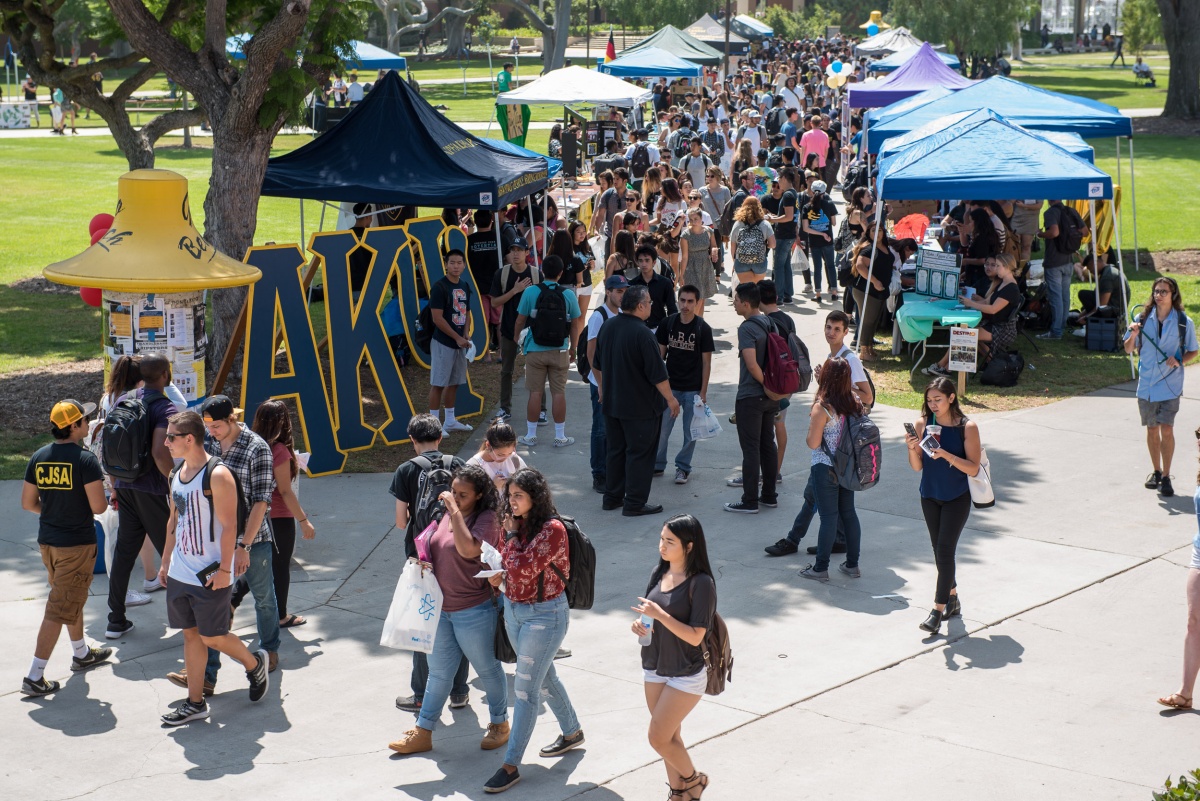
{"type": "Point", "coordinates": [836, 74]}
{"type": "Point", "coordinates": [98, 227]}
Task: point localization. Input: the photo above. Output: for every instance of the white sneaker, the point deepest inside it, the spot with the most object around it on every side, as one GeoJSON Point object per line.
{"type": "Point", "coordinates": [1079, 332]}
{"type": "Point", "coordinates": [152, 585]}
{"type": "Point", "coordinates": [564, 442]}
{"type": "Point", "coordinates": [136, 598]}
{"type": "Point", "coordinates": [456, 425]}
{"type": "Point", "coordinates": [528, 442]}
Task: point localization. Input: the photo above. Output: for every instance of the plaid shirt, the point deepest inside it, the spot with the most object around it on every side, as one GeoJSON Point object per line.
{"type": "Point", "coordinates": [250, 459]}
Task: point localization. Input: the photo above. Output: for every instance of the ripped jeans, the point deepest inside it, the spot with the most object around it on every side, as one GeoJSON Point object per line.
{"type": "Point", "coordinates": [536, 631]}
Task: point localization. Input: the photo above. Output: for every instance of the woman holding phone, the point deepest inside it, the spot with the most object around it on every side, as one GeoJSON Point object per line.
{"type": "Point", "coordinates": [944, 463]}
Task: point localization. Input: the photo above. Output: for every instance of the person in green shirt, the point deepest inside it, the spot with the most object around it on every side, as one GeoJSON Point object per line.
{"type": "Point", "coordinates": [504, 79]}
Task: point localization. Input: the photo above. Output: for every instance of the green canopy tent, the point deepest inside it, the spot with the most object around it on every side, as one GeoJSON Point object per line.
{"type": "Point", "coordinates": [678, 43]}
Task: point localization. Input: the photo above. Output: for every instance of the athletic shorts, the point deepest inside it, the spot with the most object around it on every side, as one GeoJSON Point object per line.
{"type": "Point", "coordinates": [448, 366]}
{"type": "Point", "coordinates": [70, 573]}
{"type": "Point", "coordinates": [190, 606]}
{"type": "Point", "coordinates": [1158, 413]}
{"type": "Point", "coordinates": [493, 313]}
{"type": "Point", "coordinates": [541, 365]}
{"type": "Point", "coordinates": [695, 684]}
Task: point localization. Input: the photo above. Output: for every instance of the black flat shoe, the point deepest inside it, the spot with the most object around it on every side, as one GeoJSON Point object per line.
{"type": "Point", "coordinates": [933, 623]}
{"type": "Point", "coordinates": [953, 608]}
{"type": "Point", "coordinates": [608, 506]}
{"type": "Point", "coordinates": [501, 781]}
{"type": "Point", "coordinates": [838, 547]}
{"type": "Point", "coordinates": [648, 509]}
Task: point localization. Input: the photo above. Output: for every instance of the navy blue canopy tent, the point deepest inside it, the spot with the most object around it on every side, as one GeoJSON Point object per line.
{"type": "Point", "coordinates": [1072, 143]}
{"type": "Point", "coordinates": [394, 148]}
{"type": "Point", "coordinates": [554, 164]}
{"type": "Point", "coordinates": [651, 62]}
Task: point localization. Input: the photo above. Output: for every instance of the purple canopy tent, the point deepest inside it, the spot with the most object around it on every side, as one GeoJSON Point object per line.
{"type": "Point", "coordinates": [925, 70]}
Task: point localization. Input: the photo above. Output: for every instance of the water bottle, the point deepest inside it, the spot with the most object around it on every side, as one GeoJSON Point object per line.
{"type": "Point", "coordinates": [648, 622]}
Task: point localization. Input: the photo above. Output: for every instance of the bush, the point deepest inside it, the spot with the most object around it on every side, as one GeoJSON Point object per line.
{"type": "Point", "coordinates": [1186, 790]}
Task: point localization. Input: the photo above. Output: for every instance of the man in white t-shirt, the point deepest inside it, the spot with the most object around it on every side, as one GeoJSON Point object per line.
{"type": "Point", "coordinates": [198, 565]}
{"type": "Point", "coordinates": [754, 132]}
{"type": "Point", "coordinates": [614, 289]}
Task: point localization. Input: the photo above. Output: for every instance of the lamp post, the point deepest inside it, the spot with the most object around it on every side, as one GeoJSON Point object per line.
{"type": "Point", "coordinates": [728, 16]}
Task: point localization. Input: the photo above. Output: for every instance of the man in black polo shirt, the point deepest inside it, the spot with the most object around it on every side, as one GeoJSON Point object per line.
{"type": "Point", "coordinates": [64, 486]}
{"type": "Point", "coordinates": [505, 294]}
{"type": "Point", "coordinates": [632, 383]}
{"type": "Point", "coordinates": [660, 288]}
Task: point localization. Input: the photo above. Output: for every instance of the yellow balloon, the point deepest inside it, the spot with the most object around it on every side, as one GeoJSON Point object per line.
{"type": "Point", "coordinates": [840, 79]}
{"type": "Point", "coordinates": [831, 82]}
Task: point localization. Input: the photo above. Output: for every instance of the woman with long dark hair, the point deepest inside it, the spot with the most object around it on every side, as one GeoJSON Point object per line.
{"type": "Point", "coordinates": [873, 266]}
{"type": "Point", "coordinates": [670, 204]}
{"type": "Point", "coordinates": [573, 266]}
{"type": "Point", "coordinates": [1191, 642]}
{"type": "Point", "coordinates": [273, 423]}
{"type": "Point", "coordinates": [945, 494]}
{"type": "Point", "coordinates": [680, 602]}
{"type": "Point", "coordinates": [621, 257]}
{"type": "Point", "coordinates": [536, 566]}
{"type": "Point", "coordinates": [467, 626]}
{"type": "Point", "coordinates": [981, 242]}
{"type": "Point", "coordinates": [835, 402]}
{"type": "Point", "coordinates": [577, 231]}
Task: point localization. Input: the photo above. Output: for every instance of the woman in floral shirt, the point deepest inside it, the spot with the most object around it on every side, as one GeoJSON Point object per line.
{"type": "Point", "coordinates": [536, 566]}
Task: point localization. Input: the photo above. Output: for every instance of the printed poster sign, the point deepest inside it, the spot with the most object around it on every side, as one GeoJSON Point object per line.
{"type": "Point", "coordinates": [151, 319]}
{"type": "Point", "coordinates": [937, 273]}
{"type": "Point", "coordinates": [964, 349]}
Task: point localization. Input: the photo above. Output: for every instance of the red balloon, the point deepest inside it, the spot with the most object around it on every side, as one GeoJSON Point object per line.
{"type": "Point", "coordinates": [98, 235]}
{"type": "Point", "coordinates": [90, 296]}
{"type": "Point", "coordinates": [101, 222]}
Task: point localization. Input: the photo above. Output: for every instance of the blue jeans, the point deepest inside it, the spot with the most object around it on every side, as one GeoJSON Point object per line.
{"type": "Point", "coordinates": [683, 460]}
{"type": "Point", "coordinates": [599, 441]}
{"type": "Point", "coordinates": [835, 505]}
{"type": "Point", "coordinates": [536, 631]}
{"type": "Point", "coordinates": [261, 581]}
{"type": "Point", "coordinates": [807, 512]}
{"type": "Point", "coordinates": [471, 633]}
{"type": "Point", "coordinates": [823, 253]}
{"type": "Point", "coordinates": [1058, 287]}
{"type": "Point", "coordinates": [783, 268]}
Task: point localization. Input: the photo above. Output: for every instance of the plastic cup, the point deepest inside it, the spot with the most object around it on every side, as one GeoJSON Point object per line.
{"type": "Point", "coordinates": [935, 431]}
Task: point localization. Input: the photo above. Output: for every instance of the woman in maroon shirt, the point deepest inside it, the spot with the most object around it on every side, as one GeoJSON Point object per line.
{"type": "Point", "coordinates": [536, 566]}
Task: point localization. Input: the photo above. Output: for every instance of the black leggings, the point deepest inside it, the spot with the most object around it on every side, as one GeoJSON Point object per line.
{"type": "Point", "coordinates": [945, 521]}
{"type": "Point", "coordinates": [283, 529]}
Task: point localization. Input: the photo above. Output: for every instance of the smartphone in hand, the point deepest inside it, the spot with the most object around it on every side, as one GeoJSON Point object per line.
{"type": "Point", "coordinates": [911, 429]}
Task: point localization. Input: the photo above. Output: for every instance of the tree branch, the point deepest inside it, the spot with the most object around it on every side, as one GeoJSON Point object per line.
{"type": "Point", "coordinates": [448, 11]}
{"type": "Point", "coordinates": [127, 87]}
{"type": "Point", "coordinates": [537, 21]}
{"type": "Point", "coordinates": [214, 27]}
{"type": "Point", "coordinates": [165, 123]}
{"type": "Point", "coordinates": [154, 39]}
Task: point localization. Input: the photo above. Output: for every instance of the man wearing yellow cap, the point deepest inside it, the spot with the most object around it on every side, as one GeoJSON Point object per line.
{"type": "Point", "coordinates": [64, 486]}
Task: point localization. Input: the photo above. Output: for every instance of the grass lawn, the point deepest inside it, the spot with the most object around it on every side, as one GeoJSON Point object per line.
{"type": "Point", "coordinates": [1164, 164]}
{"type": "Point", "coordinates": [1088, 75]}
{"type": "Point", "coordinates": [526, 67]}
{"type": "Point", "coordinates": [479, 103]}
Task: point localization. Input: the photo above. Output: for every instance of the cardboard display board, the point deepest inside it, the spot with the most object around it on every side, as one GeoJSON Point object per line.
{"type": "Point", "coordinates": [964, 349]}
{"type": "Point", "coordinates": [597, 134]}
{"type": "Point", "coordinates": [937, 273]}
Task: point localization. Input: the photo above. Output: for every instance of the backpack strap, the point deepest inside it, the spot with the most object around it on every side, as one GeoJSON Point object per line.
{"type": "Point", "coordinates": [424, 462]}
{"type": "Point", "coordinates": [448, 461]}
{"type": "Point", "coordinates": [1182, 334]}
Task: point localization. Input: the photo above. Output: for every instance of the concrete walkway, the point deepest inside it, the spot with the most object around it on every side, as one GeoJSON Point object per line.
{"type": "Point", "coordinates": [1072, 592]}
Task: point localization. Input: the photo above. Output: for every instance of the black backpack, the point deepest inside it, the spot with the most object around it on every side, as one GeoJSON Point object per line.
{"type": "Point", "coordinates": [639, 162]}
{"type": "Point", "coordinates": [683, 143]}
{"type": "Point", "coordinates": [775, 118]}
{"type": "Point", "coordinates": [548, 323]}
{"type": "Point", "coordinates": [581, 583]}
{"type": "Point", "coordinates": [725, 224]}
{"type": "Point", "coordinates": [1070, 230]}
{"type": "Point", "coordinates": [581, 358]}
{"type": "Point", "coordinates": [433, 481]}
{"type": "Point", "coordinates": [243, 508]}
{"type": "Point", "coordinates": [424, 333]}
{"type": "Point", "coordinates": [1003, 370]}
{"type": "Point", "coordinates": [126, 437]}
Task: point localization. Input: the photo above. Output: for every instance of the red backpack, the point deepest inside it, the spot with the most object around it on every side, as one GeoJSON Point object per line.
{"type": "Point", "coordinates": [781, 370]}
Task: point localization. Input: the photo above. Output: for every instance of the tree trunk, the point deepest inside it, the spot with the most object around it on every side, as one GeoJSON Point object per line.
{"type": "Point", "coordinates": [554, 41]}
{"type": "Point", "coordinates": [1016, 47]}
{"type": "Point", "coordinates": [138, 151]}
{"type": "Point", "coordinates": [393, 27]}
{"type": "Point", "coordinates": [1181, 30]}
{"type": "Point", "coordinates": [456, 35]}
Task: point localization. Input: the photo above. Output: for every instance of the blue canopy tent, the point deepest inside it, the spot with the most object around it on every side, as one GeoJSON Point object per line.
{"type": "Point", "coordinates": [987, 157]}
{"type": "Point", "coordinates": [1072, 143]}
{"type": "Point", "coordinates": [889, 63]}
{"type": "Point", "coordinates": [554, 165]}
{"type": "Point", "coordinates": [651, 62]}
{"type": "Point", "coordinates": [904, 106]}
{"type": "Point", "coordinates": [1030, 107]}
{"type": "Point", "coordinates": [366, 56]}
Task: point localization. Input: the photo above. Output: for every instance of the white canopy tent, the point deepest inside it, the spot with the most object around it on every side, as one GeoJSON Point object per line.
{"type": "Point", "coordinates": [577, 86]}
{"type": "Point", "coordinates": [889, 41]}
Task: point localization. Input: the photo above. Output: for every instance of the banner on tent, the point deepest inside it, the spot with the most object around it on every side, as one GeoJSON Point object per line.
{"type": "Point", "coordinates": [332, 411]}
{"type": "Point", "coordinates": [514, 122]}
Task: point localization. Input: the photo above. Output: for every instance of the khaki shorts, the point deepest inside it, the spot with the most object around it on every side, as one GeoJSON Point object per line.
{"type": "Point", "coordinates": [70, 572]}
{"type": "Point", "coordinates": [543, 364]}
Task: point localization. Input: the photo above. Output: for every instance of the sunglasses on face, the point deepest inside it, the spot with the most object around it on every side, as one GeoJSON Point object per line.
{"type": "Point", "coordinates": [1162, 292]}
{"type": "Point", "coordinates": [173, 437]}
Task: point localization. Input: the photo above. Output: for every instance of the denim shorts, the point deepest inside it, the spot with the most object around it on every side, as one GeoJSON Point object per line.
{"type": "Point", "coordinates": [695, 684]}
{"type": "Point", "coordinates": [1158, 413]}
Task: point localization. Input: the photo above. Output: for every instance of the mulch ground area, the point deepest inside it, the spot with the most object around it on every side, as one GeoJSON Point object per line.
{"type": "Point", "coordinates": [1165, 126]}
{"type": "Point", "coordinates": [30, 394]}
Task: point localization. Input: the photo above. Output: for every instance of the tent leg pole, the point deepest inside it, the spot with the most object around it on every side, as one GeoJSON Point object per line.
{"type": "Point", "coordinates": [533, 230]}
{"type": "Point", "coordinates": [545, 220]}
{"type": "Point", "coordinates": [1121, 266]}
{"type": "Point", "coordinates": [302, 222]}
{"type": "Point", "coordinates": [1095, 250]}
{"type": "Point", "coordinates": [1133, 205]}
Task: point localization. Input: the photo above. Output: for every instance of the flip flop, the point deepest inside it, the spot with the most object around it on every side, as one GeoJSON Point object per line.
{"type": "Point", "coordinates": [292, 620]}
{"type": "Point", "coordinates": [1173, 704]}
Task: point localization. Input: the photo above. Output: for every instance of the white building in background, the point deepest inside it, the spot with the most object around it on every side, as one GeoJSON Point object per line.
{"type": "Point", "coordinates": [1060, 14]}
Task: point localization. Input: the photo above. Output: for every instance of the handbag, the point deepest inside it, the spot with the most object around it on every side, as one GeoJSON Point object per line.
{"type": "Point", "coordinates": [503, 646]}
{"type": "Point", "coordinates": [980, 484]}
{"type": "Point", "coordinates": [416, 609]}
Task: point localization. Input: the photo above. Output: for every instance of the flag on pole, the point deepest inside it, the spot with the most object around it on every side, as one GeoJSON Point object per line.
{"type": "Point", "coordinates": [610, 52]}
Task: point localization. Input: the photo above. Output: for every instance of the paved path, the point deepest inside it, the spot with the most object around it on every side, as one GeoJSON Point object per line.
{"type": "Point", "coordinates": [1072, 590]}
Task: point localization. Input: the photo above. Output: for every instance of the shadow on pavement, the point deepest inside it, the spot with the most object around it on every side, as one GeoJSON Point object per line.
{"type": "Point", "coordinates": [72, 711]}
{"type": "Point", "coordinates": [983, 653]}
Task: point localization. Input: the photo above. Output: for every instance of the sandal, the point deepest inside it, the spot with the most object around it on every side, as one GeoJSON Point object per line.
{"type": "Point", "coordinates": [695, 780]}
{"type": "Point", "coordinates": [673, 793]}
{"type": "Point", "coordinates": [292, 620]}
{"type": "Point", "coordinates": [1173, 704]}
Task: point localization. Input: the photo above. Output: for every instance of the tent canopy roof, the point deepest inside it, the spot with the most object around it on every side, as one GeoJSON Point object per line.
{"type": "Point", "coordinates": [675, 41]}
{"type": "Point", "coordinates": [651, 61]}
{"type": "Point", "coordinates": [366, 56]}
{"type": "Point", "coordinates": [924, 70]}
{"type": "Point", "coordinates": [394, 148]}
{"type": "Point", "coordinates": [709, 31]}
{"type": "Point", "coordinates": [985, 156]}
{"type": "Point", "coordinates": [889, 63]}
{"type": "Point", "coordinates": [1019, 103]}
{"type": "Point", "coordinates": [752, 28]}
{"type": "Point", "coordinates": [877, 115]}
{"type": "Point", "coordinates": [577, 86]}
{"type": "Point", "coordinates": [888, 41]}
{"type": "Point", "coordinates": [1072, 143]}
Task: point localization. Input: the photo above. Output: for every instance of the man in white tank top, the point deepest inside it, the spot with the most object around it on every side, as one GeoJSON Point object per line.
{"type": "Point", "coordinates": [197, 566]}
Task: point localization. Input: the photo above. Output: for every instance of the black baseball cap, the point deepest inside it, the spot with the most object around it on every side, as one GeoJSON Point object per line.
{"type": "Point", "coordinates": [218, 408]}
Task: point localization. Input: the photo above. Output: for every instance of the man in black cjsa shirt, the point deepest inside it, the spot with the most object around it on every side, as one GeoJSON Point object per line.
{"type": "Point", "coordinates": [687, 345]}
{"type": "Point", "coordinates": [65, 487]}
{"type": "Point", "coordinates": [631, 380]}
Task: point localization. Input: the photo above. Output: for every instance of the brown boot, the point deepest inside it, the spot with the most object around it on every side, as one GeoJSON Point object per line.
{"type": "Point", "coordinates": [496, 736]}
{"type": "Point", "coordinates": [415, 741]}
{"type": "Point", "coordinates": [272, 661]}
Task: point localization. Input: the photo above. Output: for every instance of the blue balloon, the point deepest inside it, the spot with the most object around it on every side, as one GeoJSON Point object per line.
{"type": "Point", "coordinates": [872, 29]}
{"type": "Point", "coordinates": [836, 66]}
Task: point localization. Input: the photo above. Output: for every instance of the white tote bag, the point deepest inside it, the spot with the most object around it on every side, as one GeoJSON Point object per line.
{"type": "Point", "coordinates": [416, 608]}
{"type": "Point", "coordinates": [108, 521]}
{"type": "Point", "coordinates": [704, 422]}
{"type": "Point", "coordinates": [980, 484]}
